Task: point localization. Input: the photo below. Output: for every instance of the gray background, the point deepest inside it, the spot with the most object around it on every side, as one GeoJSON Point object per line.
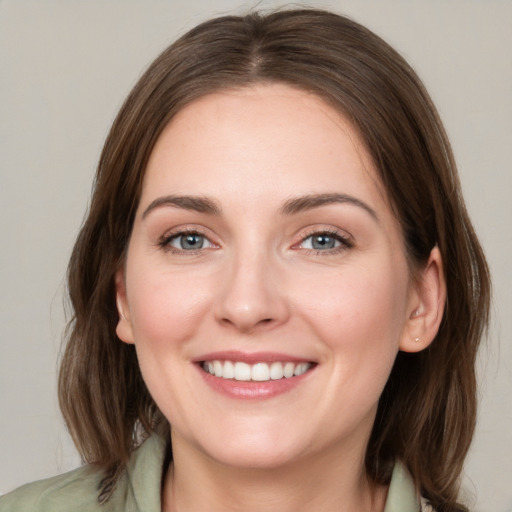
{"type": "Point", "coordinates": [66, 66]}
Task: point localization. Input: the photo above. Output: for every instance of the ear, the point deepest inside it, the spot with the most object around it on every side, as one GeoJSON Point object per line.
{"type": "Point", "coordinates": [426, 306]}
{"type": "Point", "coordinates": [124, 325]}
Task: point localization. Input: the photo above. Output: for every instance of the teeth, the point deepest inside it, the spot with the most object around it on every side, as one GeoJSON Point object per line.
{"type": "Point", "coordinates": [242, 372]}
{"type": "Point", "coordinates": [217, 368]}
{"type": "Point", "coordinates": [259, 372]}
{"type": "Point", "coordinates": [228, 370]}
{"type": "Point", "coordinates": [300, 369]}
{"type": "Point", "coordinates": [276, 371]}
{"type": "Point", "coordinates": [288, 370]}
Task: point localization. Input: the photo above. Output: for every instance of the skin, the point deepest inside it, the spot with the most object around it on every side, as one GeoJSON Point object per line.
{"type": "Point", "coordinates": [257, 285]}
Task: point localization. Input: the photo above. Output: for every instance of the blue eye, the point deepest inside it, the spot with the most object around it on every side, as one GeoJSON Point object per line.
{"type": "Point", "coordinates": [188, 242]}
{"type": "Point", "coordinates": [320, 242]}
{"type": "Point", "coordinates": [325, 242]}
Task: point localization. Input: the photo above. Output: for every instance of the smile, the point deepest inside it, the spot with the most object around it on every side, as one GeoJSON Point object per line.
{"type": "Point", "coordinates": [258, 372]}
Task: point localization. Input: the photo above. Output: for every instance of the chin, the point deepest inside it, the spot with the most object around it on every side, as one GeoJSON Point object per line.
{"type": "Point", "coordinates": [248, 457]}
{"type": "Point", "coordinates": [254, 449]}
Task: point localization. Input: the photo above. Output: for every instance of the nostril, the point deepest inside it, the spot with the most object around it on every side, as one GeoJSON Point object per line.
{"type": "Point", "coordinates": [247, 324]}
{"type": "Point", "coordinates": [265, 321]}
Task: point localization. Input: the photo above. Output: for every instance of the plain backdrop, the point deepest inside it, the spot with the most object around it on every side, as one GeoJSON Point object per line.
{"type": "Point", "coordinates": [65, 68]}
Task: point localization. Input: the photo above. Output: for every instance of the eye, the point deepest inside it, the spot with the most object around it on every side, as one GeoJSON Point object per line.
{"type": "Point", "coordinates": [186, 241]}
{"type": "Point", "coordinates": [325, 241]}
{"type": "Point", "coordinates": [320, 242]}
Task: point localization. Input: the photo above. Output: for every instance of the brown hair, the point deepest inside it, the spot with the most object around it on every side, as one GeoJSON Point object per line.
{"type": "Point", "coordinates": [426, 414]}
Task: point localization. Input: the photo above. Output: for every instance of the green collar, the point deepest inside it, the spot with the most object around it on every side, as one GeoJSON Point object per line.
{"type": "Point", "coordinates": [402, 495]}
{"type": "Point", "coordinates": [145, 475]}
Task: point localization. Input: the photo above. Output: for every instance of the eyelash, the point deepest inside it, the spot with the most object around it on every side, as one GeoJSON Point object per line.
{"type": "Point", "coordinates": [164, 242]}
{"type": "Point", "coordinates": [345, 242]}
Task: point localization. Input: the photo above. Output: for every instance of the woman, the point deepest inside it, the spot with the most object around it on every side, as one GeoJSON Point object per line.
{"type": "Point", "coordinates": [278, 294]}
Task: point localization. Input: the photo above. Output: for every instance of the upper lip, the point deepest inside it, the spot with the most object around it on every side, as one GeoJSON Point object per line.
{"type": "Point", "coordinates": [250, 357]}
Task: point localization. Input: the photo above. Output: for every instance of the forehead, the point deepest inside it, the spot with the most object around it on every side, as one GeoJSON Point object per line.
{"type": "Point", "coordinates": [264, 136]}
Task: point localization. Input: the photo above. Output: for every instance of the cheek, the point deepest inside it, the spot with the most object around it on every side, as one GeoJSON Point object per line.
{"type": "Point", "coordinates": [359, 312]}
{"type": "Point", "coordinates": [166, 308]}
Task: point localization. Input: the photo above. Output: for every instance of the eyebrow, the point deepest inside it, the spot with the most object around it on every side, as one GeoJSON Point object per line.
{"type": "Point", "coordinates": [291, 206]}
{"type": "Point", "coordinates": [308, 202]}
{"type": "Point", "coordinates": [195, 203]}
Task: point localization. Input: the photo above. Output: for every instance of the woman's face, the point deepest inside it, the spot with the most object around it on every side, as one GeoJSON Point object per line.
{"type": "Point", "coordinates": [264, 246]}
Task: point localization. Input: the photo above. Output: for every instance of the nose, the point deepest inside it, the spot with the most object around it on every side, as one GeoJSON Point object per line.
{"type": "Point", "coordinates": [252, 296]}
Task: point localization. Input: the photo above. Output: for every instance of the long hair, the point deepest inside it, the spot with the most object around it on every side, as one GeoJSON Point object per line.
{"type": "Point", "coordinates": [426, 414]}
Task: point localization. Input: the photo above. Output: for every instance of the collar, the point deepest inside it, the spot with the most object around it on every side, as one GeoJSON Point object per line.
{"type": "Point", "coordinates": [145, 471]}
{"type": "Point", "coordinates": [402, 495]}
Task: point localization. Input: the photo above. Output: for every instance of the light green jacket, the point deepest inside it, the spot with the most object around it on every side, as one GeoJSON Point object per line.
{"type": "Point", "coordinates": [139, 488]}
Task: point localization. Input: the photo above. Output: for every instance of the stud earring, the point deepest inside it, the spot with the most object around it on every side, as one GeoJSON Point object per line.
{"type": "Point", "coordinates": [417, 340]}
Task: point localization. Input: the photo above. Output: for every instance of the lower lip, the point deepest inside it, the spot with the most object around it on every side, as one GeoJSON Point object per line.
{"type": "Point", "coordinates": [252, 390]}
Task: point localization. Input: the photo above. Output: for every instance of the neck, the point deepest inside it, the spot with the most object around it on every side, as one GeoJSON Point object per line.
{"type": "Point", "coordinates": [328, 482]}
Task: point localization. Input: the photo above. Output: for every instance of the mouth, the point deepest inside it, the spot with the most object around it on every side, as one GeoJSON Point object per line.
{"type": "Point", "coordinates": [258, 372]}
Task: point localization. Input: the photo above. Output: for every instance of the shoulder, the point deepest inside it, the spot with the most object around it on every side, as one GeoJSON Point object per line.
{"type": "Point", "coordinates": [76, 490]}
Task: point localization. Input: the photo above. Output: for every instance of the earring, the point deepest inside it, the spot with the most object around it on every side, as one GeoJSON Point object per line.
{"type": "Point", "coordinates": [417, 340]}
